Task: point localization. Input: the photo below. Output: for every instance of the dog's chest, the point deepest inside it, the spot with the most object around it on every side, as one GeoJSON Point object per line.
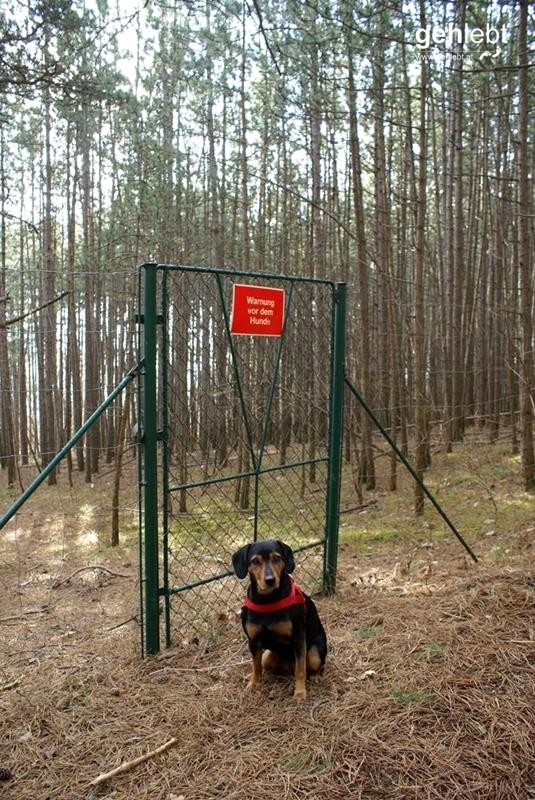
{"type": "Point", "coordinates": [269, 631]}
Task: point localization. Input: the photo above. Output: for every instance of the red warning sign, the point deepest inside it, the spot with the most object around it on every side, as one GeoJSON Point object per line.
{"type": "Point", "coordinates": [257, 310]}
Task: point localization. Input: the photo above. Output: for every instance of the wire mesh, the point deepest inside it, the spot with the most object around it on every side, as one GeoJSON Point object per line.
{"type": "Point", "coordinates": [245, 423]}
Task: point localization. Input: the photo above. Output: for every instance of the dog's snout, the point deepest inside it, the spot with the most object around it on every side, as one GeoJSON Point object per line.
{"type": "Point", "coordinates": [269, 575]}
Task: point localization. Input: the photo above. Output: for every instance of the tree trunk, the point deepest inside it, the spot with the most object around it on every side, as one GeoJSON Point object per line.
{"type": "Point", "coordinates": [119, 452]}
{"type": "Point", "coordinates": [458, 265]}
{"type": "Point", "coordinates": [527, 393]}
{"type": "Point", "coordinates": [368, 466]}
{"type": "Point", "coordinates": [420, 429]}
{"type": "Point", "coordinates": [48, 372]}
{"type": "Point", "coordinates": [7, 440]}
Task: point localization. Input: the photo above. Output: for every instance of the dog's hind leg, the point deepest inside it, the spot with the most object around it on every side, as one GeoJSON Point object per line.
{"type": "Point", "coordinates": [314, 663]}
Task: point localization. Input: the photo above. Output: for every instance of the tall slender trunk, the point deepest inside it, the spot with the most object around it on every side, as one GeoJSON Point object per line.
{"type": "Point", "coordinates": [316, 241]}
{"type": "Point", "coordinates": [90, 302]}
{"type": "Point", "coordinates": [368, 466]}
{"type": "Point", "coordinates": [22, 399]}
{"type": "Point", "coordinates": [48, 374]}
{"type": "Point", "coordinates": [119, 453]}
{"type": "Point", "coordinates": [458, 265]}
{"type": "Point", "coordinates": [7, 441]}
{"type": "Point", "coordinates": [244, 487]}
{"type": "Point", "coordinates": [420, 462]}
{"type": "Point", "coordinates": [527, 393]}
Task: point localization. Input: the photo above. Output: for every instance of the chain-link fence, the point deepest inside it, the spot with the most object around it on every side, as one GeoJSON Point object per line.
{"type": "Point", "coordinates": [244, 437]}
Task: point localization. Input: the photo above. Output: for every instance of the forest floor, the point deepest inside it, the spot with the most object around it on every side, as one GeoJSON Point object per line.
{"type": "Point", "coordinates": [428, 692]}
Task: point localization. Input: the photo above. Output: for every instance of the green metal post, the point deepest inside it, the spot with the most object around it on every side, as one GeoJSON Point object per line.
{"type": "Point", "coordinates": [165, 457]}
{"type": "Point", "coordinates": [150, 473]}
{"type": "Point", "coordinates": [335, 437]}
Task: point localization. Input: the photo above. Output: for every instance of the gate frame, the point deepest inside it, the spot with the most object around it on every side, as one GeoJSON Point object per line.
{"type": "Point", "coordinates": [148, 472]}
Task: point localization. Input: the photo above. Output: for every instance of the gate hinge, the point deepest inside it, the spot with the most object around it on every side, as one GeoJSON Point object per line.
{"type": "Point", "coordinates": [139, 436]}
{"type": "Point", "coordinates": [140, 319]}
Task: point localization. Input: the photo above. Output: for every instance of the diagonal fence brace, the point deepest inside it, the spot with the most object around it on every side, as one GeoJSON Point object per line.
{"type": "Point", "coordinates": [70, 444]}
{"type": "Point", "coordinates": [409, 466]}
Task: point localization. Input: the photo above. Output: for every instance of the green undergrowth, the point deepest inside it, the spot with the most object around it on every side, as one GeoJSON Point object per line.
{"type": "Point", "coordinates": [284, 512]}
{"type": "Point", "coordinates": [477, 487]}
{"type": "Point", "coordinates": [409, 697]}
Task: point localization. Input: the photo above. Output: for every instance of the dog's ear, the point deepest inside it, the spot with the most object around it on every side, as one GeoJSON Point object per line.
{"type": "Point", "coordinates": [240, 561]}
{"type": "Point", "coordinates": [287, 555]}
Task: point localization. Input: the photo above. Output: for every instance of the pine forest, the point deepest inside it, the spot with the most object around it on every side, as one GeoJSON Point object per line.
{"type": "Point", "coordinates": [388, 145]}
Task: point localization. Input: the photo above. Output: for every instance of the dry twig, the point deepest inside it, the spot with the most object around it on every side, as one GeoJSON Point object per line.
{"type": "Point", "coordinates": [56, 584]}
{"type": "Point", "coordinates": [128, 765]}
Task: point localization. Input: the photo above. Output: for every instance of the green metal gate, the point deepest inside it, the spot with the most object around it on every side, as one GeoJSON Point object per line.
{"type": "Point", "coordinates": [241, 440]}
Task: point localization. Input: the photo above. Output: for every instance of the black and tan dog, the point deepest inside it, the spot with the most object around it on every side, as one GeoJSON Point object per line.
{"type": "Point", "coordinates": [280, 620]}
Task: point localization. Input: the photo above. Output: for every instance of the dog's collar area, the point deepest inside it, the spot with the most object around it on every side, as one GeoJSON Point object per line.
{"type": "Point", "coordinates": [295, 598]}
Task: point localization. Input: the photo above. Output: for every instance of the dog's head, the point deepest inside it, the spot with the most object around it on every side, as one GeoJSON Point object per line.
{"type": "Point", "coordinates": [265, 562]}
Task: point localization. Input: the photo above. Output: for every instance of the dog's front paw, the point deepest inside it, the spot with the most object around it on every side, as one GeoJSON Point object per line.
{"type": "Point", "coordinates": [253, 683]}
{"type": "Point", "coordinates": [300, 693]}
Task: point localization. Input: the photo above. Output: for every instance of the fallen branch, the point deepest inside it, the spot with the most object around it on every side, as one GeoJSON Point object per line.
{"type": "Point", "coordinates": [128, 765]}
{"type": "Point", "coordinates": [362, 507]}
{"type": "Point", "coordinates": [18, 617]}
{"type": "Point", "coordinates": [120, 624]}
{"type": "Point", "coordinates": [56, 584]}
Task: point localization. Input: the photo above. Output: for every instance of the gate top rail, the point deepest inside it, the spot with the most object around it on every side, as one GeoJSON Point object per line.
{"type": "Point", "coordinates": [241, 274]}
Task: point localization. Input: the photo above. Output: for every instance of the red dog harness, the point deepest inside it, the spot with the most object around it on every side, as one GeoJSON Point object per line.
{"type": "Point", "coordinates": [295, 598]}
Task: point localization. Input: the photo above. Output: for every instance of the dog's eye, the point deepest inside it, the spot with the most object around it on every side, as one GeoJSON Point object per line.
{"type": "Point", "coordinates": [276, 558]}
{"type": "Point", "coordinates": [256, 561]}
